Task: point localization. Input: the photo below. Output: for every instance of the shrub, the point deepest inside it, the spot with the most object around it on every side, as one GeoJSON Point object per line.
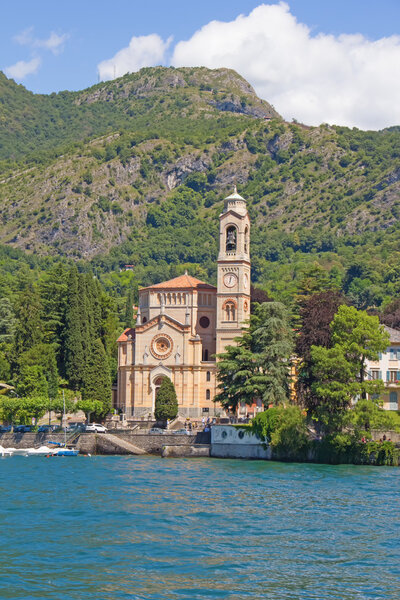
{"type": "Point", "coordinates": [284, 428]}
{"type": "Point", "coordinates": [166, 401]}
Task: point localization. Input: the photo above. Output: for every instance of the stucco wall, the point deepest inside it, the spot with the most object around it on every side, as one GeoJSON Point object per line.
{"type": "Point", "coordinates": [233, 442]}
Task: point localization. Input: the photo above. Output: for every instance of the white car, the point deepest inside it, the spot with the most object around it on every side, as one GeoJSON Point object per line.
{"type": "Point", "coordinates": [95, 428]}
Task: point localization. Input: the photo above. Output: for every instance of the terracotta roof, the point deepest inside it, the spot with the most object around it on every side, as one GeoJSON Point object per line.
{"type": "Point", "coordinates": [124, 336]}
{"type": "Point", "coordinates": [183, 282]}
{"type": "Point", "coordinates": [394, 334]}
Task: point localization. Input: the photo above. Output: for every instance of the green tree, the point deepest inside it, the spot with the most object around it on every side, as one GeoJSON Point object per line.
{"type": "Point", "coordinates": [259, 366]}
{"type": "Point", "coordinates": [53, 290]}
{"type": "Point", "coordinates": [74, 345]}
{"type": "Point", "coordinates": [90, 407]}
{"type": "Point", "coordinates": [97, 382]}
{"type": "Point", "coordinates": [31, 381]}
{"type": "Point", "coordinates": [43, 358]}
{"type": "Point", "coordinates": [33, 408]}
{"type": "Point", "coordinates": [166, 407]}
{"type": "Point", "coordinates": [57, 405]}
{"type": "Point", "coordinates": [5, 368]}
{"type": "Point", "coordinates": [128, 315]}
{"type": "Point", "coordinates": [340, 372]}
{"type": "Point", "coordinates": [7, 321]}
{"type": "Point", "coordinates": [284, 428]}
{"type": "Point", "coordinates": [10, 408]}
{"type": "Point", "coordinates": [369, 414]}
{"type": "Point", "coordinates": [272, 343]}
{"type": "Point", "coordinates": [29, 327]}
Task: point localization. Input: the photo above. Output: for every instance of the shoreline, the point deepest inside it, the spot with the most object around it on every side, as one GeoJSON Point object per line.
{"type": "Point", "coordinates": [198, 445]}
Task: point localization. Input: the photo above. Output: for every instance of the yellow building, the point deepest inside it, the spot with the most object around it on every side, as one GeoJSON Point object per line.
{"type": "Point", "coordinates": [183, 323]}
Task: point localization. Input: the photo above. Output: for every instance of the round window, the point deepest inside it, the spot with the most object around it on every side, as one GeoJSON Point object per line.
{"type": "Point", "coordinates": [241, 434]}
{"type": "Point", "coordinates": [161, 346]}
{"type": "Point", "coordinates": [204, 322]}
{"type": "Point", "coordinates": [224, 434]}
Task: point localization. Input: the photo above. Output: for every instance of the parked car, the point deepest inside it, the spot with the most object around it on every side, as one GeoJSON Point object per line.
{"type": "Point", "coordinates": [95, 428]}
{"type": "Point", "coordinates": [75, 428]}
{"type": "Point", "coordinates": [49, 428]}
{"type": "Point", "coordinates": [157, 431]}
{"type": "Point", "coordinates": [5, 428]}
{"type": "Point", "coordinates": [181, 432]}
{"type": "Point", "coordinates": [45, 429]}
{"type": "Point", "coordinates": [23, 428]}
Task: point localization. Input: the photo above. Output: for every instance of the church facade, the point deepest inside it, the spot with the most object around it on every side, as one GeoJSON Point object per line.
{"type": "Point", "coordinates": [183, 323]}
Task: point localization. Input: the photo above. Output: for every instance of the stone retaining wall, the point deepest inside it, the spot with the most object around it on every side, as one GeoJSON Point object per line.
{"type": "Point", "coordinates": [87, 443]}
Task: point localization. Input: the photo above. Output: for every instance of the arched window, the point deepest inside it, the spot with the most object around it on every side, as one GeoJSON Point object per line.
{"type": "Point", "coordinates": [246, 240]}
{"type": "Point", "coordinates": [208, 394]}
{"type": "Point", "coordinates": [230, 311]}
{"type": "Point", "coordinates": [208, 376]}
{"type": "Point", "coordinates": [157, 384]}
{"type": "Point", "coordinates": [205, 354]}
{"type": "Point", "coordinates": [231, 239]}
{"type": "Point", "coordinates": [144, 320]}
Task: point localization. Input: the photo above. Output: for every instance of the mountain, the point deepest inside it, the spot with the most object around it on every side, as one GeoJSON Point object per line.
{"type": "Point", "coordinates": [135, 171]}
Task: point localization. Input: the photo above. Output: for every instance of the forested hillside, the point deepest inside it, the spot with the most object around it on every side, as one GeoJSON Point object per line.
{"type": "Point", "coordinates": [134, 171]}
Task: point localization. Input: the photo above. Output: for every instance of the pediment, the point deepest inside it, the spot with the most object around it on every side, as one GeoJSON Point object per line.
{"type": "Point", "coordinates": [160, 322]}
{"type": "Point", "coordinates": [234, 213]}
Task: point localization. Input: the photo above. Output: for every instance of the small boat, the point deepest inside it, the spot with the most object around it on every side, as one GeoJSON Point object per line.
{"type": "Point", "coordinates": [66, 452]}
{"type": "Point", "coordinates": [42, 451]}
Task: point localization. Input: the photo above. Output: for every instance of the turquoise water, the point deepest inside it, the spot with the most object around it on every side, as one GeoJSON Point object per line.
{"type": "Point", "coordinates": [149, 528]}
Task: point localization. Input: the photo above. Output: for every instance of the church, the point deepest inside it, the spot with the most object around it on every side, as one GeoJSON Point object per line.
{"type": "Point", "coordinates": [183, 323]}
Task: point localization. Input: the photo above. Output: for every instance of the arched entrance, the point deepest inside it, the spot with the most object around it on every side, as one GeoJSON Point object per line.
{"type": "Point", "coordinates": [156, 377]}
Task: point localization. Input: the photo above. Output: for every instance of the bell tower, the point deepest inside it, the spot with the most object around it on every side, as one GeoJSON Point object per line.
{"type": "Point", "coordinates": [233, 287]}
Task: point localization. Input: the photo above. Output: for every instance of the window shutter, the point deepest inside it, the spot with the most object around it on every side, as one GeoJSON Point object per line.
{"type": "Point", "coordinates": [380, 375]}
{"type": "Point", "coordinates": [398, 375]}
{"type": "Point", "coordinates": [387, 376]}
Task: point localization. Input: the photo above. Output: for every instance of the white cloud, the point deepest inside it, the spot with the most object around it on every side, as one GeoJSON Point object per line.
{"type": "Point", "coordinates": [54, 42]}
{"type": "Point", "coordinates": [25, 37]}
{"type": "Point", "coordinates": [347, 80]}
{"type": "Point", "coordinates": [23, 68]}
{"type": "Point", "coordinates": [143, 51]}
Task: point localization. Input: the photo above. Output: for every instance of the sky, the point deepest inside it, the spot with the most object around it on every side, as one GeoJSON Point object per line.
{"type": "Point", "coordinates": [316, 61]}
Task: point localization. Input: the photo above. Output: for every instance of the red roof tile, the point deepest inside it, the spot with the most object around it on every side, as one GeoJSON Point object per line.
{"type": "Point", "coordinates": [183, 282]}
{"type": "Point", "coordinates": [124, 336]}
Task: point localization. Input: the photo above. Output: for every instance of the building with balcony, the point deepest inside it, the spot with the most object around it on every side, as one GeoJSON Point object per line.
{"type": "Point", "coordinates": [387, 368]}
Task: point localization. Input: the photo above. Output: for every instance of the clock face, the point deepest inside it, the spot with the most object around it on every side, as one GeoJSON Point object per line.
{"type": "Point", "coordinates": [230, 280]}
{"type": "Point", "coordinates": [246, 281]}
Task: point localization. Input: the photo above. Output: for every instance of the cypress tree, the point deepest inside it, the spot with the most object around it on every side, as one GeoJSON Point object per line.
{"type": "Point", "coordinates": [54, 293]}
{"type": "Point", "coordinates": [74, 347]}
{"type": "Point", "coordinates": [97, 381]}
{"type": "Point", "coordinates": [166, 401]}
{"type": "Point", "coordinates": [29, 327]}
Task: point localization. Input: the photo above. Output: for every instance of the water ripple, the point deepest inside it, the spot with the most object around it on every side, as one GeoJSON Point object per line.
{"type": "Point", "coordinates": [144, 528]}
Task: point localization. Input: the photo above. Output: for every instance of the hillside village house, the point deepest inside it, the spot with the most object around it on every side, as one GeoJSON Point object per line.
{"type": "Point", "coordinates": [183, 323]}
{"type": "Point", "coordinates": [387, 368]}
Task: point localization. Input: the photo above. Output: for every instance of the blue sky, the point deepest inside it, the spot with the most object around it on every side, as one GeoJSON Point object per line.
{"type": "Point", "coordinates": [63, 43]}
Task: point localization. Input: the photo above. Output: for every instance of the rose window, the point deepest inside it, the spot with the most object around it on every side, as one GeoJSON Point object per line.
{"type": "Point", "coordinates": [161, 346]}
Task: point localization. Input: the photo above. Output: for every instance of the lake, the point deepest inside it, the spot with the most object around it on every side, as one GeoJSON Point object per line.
{"type": "Point", "coordinates": [146, 528]}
